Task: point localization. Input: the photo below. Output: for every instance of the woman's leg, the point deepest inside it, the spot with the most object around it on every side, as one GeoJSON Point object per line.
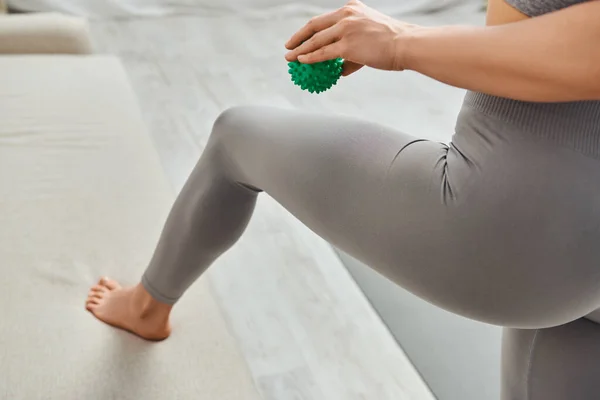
{"type": "Point", "coordinates": [477, 228]}
{"type": "Point", "coordinates": [330, 172]}
{"type": "Point", "coordinates": [334, 173]}
{"type": "Point", "coordinates": [552, 364]}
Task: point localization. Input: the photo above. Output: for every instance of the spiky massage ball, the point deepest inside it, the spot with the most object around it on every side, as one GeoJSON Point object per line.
{"type": "Point", "coordinates": [317, 77]}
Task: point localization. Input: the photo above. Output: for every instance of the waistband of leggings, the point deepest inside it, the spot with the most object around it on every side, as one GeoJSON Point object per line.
{"type": "Point", "coordinates": [573, 124]}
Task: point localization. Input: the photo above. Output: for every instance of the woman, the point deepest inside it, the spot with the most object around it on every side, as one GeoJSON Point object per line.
{"type": "Point", "coordinates": [502, 225]}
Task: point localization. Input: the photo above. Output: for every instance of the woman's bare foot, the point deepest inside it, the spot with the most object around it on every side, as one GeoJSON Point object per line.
{"type": "Point", "coordinates": [131, 309]}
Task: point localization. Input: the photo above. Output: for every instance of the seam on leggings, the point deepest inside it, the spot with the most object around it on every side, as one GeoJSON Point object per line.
{"type": "Point", "coordinates": [530, 366]}
{"type": "Point", "coordinates": [400, 151]}
{"type": "Point", "coordinates": [446, 189]}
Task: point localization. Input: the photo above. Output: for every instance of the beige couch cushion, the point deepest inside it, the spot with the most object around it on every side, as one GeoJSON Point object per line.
{"type": "Point", "coordinates": [82, 194]}
{"type": "Point", "coordinates": [44, 33]}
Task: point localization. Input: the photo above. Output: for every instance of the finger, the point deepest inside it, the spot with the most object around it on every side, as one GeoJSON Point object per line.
{"type": "Point", "coordinates": [321, 39]}
{"type": "Point", "coordinates": [313, 26]}
{"type": "Point", "coordinates": [329, 52]}
{"type": "Point", "coordinates": [350, 68]}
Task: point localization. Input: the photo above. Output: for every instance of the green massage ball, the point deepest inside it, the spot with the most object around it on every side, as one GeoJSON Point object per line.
{"type": "Point", "coordinates": [318, 77]}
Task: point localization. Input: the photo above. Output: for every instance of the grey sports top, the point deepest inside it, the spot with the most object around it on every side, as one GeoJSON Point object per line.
{"type": "Point", "coordinates": [571, 124]}
{"type": "Point", "coordinates": [534, 8]}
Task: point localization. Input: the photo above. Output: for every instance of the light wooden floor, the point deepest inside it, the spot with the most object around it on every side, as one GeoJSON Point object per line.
{"type": "Point", "coordinates": [304, 327]}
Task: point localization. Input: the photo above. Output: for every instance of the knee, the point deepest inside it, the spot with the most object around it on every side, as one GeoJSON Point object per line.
{"type": "Point", "coordinates": [230, 135]}
{"type": "Point", "coordinates": [233, 130]}
{"type": "Point", "coordinates": [231, 121]}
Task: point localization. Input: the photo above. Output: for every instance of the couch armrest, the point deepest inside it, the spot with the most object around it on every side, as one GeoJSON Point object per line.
{"type": "Point", "coordinates": [46, 33]}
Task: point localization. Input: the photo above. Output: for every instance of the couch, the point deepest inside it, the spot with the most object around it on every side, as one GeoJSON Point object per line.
{"type": "Point", "coordinates": [82, 193]}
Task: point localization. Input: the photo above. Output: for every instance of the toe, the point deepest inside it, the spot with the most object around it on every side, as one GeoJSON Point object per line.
{"type": "Point", "coordinates": [109, 283]}
{"type": "Point", "coordinates": [95, 295]}
{"type": "Point", "coordinates": [89, 301]}
{"type": "Point", "coordinates": [91, 304]}
{"type": "Point", "coordinates": [98, 289]}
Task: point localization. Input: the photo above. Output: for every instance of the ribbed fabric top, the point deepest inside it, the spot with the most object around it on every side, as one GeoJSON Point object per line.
{"type": "Point", "coordinates": [574, 124]}
{"type": "Point", "coordinates": [534, 8]}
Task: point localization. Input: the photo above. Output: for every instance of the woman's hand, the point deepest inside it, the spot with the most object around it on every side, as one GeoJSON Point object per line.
{"type": "Point", "coordinates": [356, 33]}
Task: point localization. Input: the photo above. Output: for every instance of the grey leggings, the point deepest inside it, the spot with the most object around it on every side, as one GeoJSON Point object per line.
{"type": "Point", "coordinates": [501, 226]}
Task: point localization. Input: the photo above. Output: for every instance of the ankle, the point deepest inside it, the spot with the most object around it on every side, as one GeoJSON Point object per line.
{"type": "Point", "coordinates": [146, 306]}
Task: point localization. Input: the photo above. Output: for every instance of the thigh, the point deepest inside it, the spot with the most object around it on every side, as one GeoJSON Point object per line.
{"type": "Point", "coordinates": [552, 364]}
{"type": "Point", "coordinates": [384, 197]}
{"type": "Point", "coordinates": [366, 188]}
{"type": "Point", "coordinates": [458, 226]}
